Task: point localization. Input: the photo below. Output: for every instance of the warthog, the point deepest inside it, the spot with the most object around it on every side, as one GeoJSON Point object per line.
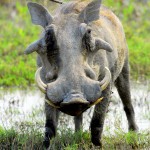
{"type": "Point", "coordinates": [81, 54]}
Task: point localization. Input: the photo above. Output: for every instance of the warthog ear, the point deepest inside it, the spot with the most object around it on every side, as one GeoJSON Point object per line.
{"type": "Point", "coordinates": [39, 14]}
{"type": "Point", "coordinates": [90, 12]}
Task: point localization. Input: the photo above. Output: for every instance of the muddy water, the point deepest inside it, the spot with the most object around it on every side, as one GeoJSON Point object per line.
{"type": "Point", "coordinates": [20, 108]}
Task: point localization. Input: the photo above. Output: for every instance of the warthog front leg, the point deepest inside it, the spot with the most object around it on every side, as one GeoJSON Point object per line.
{"type": "Point", "coordinates": [78, 122]}
{"type": "Point", "coordinates": [98, 118]}
{"type": "Point", "coordinates": [51, 124]}
{"type": "Point", "coordinates": [123, 86]}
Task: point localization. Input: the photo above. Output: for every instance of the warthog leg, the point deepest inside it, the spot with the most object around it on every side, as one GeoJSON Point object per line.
{"type": "Point", "coordinates": [123, 86]}
{"type": "Point", "coordinates": [78, 122]}
{"type": "Point", "coordinates": [98, 118]}
{"type": "Point", "coordinates": [52, 116]}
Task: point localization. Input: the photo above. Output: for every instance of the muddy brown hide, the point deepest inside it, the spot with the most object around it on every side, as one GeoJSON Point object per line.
{"type": "Point", "coordinates": [81, 53]}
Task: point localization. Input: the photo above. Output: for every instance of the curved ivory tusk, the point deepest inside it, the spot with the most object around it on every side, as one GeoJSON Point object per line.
{"type": "Point", "coordinates": [104, 83]}
{"type": "Point", "coordinates": [96, 102]}
{"type": "Point", "coordinates": [52, 104]}
{"type": "Point", "coordinates": [42, 86]}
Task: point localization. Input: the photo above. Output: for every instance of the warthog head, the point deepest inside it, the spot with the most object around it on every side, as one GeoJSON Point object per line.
{"type": "Point", "coordinates": [67, 50]}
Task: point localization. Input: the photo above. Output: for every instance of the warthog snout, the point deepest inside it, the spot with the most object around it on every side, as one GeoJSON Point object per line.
{"type": "Point", "coordinates": [73, 96]}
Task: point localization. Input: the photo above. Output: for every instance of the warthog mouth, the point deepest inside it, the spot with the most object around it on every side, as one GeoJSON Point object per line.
{"type": "Point", "coordinates": [75, 107]}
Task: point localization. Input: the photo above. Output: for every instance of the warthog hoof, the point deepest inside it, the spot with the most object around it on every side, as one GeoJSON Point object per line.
{"type": "Point", "coordinates": [133, 127]}
{"type": "Point", "coordinates": [96, 142]}
{"type": "Point", "coordinates": [46, 143]}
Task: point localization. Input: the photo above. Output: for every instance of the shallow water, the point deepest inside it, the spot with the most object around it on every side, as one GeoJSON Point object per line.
{"type": "Point", "coordinates": [20, 108]}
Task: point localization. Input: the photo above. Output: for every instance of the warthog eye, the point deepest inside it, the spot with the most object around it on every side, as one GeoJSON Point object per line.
{"type": "Point", "coordinates": [89, 30]}
{"type": "Point", "coordinates": [87, 40]}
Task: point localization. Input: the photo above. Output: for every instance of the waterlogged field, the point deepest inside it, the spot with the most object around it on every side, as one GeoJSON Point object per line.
{"type": "Point", "coordinates": [22, 122]}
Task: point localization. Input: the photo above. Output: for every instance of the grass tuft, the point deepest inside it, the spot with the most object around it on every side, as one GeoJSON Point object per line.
{"type": "Point", "coordinates": [67, 140]}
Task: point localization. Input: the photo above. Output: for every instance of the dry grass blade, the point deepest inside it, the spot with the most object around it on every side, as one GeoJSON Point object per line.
{"type": "Point", "coordinates": [56, 1]}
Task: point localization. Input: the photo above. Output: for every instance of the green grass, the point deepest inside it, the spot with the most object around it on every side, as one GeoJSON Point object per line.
{"type": "Point", "coordinates": [17, 32]}
{"type": "Point", "coordinates": [11, 139]}
{"type": "Point", "coordinates": [135, 20]}
{"type": "Point", "coordinates": [16, 69]}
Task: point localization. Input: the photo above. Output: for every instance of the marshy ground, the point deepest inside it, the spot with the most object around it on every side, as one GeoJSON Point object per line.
{"type": "Point", "coordinates": [22, 122]}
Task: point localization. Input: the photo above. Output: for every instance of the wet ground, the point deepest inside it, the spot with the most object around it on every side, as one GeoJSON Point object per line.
{"type": "Point", "coordinates": [24, 107]}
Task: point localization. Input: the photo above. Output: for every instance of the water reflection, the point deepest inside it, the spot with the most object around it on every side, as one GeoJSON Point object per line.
{"type": "Point", "coordinates": [20, 107]}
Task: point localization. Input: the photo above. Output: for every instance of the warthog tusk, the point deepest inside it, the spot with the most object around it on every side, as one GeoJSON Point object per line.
{"type": "Point", "coordinates": [97, 101]}
{"type": "Point", "coordinates": [104, 83]}
{"type": "Point", "coordinates": [42, 86]}
{"type": "Point", "coordinates": [52, 104]}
